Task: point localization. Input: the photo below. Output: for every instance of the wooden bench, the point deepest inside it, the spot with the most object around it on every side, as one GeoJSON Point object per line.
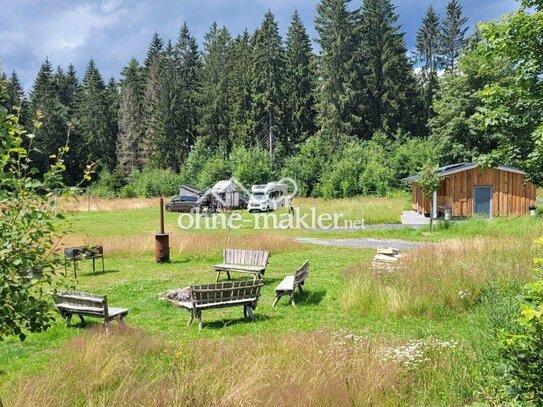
{"type": "Point", "coordinates": [289, 284]}
{"type": "Point", "coordinates": [221, 295]}
{"type": "Point", "coordinates": [243, 261]}
{"type": "Point", "coordinates": [83, 253]}
{"type": "Point", "coordinates": [79, 303]}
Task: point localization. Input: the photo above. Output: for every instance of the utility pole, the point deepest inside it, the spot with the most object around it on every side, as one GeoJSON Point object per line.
{"type": "Point", "coordinates": [270, 133]}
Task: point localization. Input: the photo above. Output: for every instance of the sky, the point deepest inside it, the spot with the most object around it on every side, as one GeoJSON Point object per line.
{"type": "Point", "coordinates": [113, 31]}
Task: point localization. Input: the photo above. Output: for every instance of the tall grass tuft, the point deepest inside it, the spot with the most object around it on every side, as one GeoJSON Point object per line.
{"type": "Point", "coordinates": [440, 279]}
{"type": "Point", "coordinates": [129, 368]}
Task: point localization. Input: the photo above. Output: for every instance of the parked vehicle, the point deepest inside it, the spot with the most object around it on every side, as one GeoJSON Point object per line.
{"type": "Point", "coordinates": [183, 203]}
{"type": "Point", "coordinates": [268, 197]}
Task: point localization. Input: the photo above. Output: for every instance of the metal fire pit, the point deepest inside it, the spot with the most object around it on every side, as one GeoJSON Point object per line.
{"type": "Point", "coordinates": [162, 240]}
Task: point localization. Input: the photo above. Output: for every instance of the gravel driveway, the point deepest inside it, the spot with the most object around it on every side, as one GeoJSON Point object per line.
{"type": "Point", "coordinates": [363, 243]}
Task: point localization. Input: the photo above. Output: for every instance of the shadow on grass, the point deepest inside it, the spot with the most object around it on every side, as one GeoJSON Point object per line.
{"type": "Point", "coordinates": [306, 298]}
{"type": "Point", "coordinates": [223, 323]}
{"type": "Point", "coordinates": [97, 273]}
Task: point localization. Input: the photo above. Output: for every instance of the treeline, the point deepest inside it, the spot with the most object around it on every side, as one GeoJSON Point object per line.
{"type": "Point", "coordinates": [352, 119]}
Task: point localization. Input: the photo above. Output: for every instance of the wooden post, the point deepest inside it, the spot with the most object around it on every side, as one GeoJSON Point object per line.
{"type": "Point", "coordinates": [161, 216]}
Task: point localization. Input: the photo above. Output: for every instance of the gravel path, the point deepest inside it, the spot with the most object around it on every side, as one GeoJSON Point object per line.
{"type": "Point", "coordinates": [363, 243]}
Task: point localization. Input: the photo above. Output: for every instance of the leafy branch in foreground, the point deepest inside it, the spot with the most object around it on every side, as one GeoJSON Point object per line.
{"type": "Point", "coordinates": [30, 228]}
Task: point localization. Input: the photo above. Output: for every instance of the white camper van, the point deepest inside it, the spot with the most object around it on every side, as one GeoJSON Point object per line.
{"type": "Point", "coordinates": [268, 197]}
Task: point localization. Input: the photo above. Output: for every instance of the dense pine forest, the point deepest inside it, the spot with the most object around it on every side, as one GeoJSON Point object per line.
{"type": "Point", "coordinates": [350, 114]}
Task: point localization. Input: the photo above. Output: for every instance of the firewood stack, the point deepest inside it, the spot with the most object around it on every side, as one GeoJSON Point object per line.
{"type": "Point", "coordinates": [386, 259]}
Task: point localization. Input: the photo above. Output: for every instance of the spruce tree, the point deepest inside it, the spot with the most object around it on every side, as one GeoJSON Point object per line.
{"type": "Point", "coordinates": [216, 100]}
{"type": "Point", "coordinates": [45, 102]}
{"type": "Point", "coordinates": [67, 86]}
{"type": "Point", "coordinates": [428, 42]}
{"type": "Point", "coordinates": [338, 105]}
{"type": "Point", "coordinates": [241, 123]}
{"type": "Point", "coordinates": [94, 120]}
{"type": "Point", "coordinates": [151, 71]}
{"type": "Point", "coordinates": [453, 35]}
{"type": "Point", "coordinates": [188, 91]}
{"type": "Point", "coordinates": [130, 123]}
{"type": "Point", "coordinates": [389, 77]}
{"type": "Point", "coordinates": [267, 75]}
{"type": "Point", "coordinates": [167, 146]}
{"type": "Point", "coordinates": [17, 98]}
{"type": "Point", "coordinates": [299, 88]}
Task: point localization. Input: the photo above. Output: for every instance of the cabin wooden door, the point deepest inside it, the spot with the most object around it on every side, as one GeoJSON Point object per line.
{"type": "Point", "coordinates": [482, 201]}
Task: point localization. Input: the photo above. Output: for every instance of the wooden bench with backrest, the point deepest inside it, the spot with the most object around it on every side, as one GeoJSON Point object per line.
{"type": "Point", "coordinates": [289, 284]}
{"type": "Point", "coordinates": [82, 304]}
{"type": "Point", "coordinates": [243, 261]}
{"type": "Point", "coordinates": [221, 295]}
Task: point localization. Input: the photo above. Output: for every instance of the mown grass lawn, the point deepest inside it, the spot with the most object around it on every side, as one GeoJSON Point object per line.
{"type": "Point", "coordinates": [336, 298]}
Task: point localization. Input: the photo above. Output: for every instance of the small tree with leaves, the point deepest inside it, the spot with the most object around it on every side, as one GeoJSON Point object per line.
{"type": "Point", "coordinates": [29, 229]}
{"type": "Point", "coordinates": [429, 183]}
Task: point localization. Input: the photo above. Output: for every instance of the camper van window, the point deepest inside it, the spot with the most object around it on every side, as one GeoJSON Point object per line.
{"type": "Point", "coordinates": [258, 196]}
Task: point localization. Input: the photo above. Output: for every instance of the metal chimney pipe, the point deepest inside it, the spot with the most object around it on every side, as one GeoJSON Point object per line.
{"type": "Point", "coordinates": [162, 240]}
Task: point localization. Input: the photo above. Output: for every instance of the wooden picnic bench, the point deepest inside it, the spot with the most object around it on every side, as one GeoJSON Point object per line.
{"type": "Point", "coordinates": [79, 253]}
{"type": "Point", "coordinates": [289, 284]}
{"type": "Point", "coordinates": [221, 295]}
{"type": "Point", "coordinates": [79, 303]}
{"type": "Point", "coordinates": [243, 261]}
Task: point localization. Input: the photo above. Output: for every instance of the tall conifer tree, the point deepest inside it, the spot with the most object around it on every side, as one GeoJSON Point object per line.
{"type": "Point", "coordinates": [453, 33]}
{"type": "Point", "coordinates": [428, 45]}
{"type": "Point", "coordinates": [151, 72]}
{"type": "Point", "coordinates": [188, 90]}
{"type": "Point", "coordinates": [338, 107]}
{"type": "Point", "coordinates": [299, 85]}
{"type": "Point", "coordinates": [241, 124]}
{"type": "Point", "coordinates": [45, 101]}
{"type": "Point", "coordinates": [216, 101]}
{"type": "Point", "coordinates": [268, 74]}
{"type": "Point", "coordinates": [131, 128]}
{"type": "Point", "coordinates": [389, 76]}
{"type": "Point", "coordinates": [94, 120]}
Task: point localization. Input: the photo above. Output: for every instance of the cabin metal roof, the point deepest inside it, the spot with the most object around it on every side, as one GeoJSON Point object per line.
{"type": "Point", "coordinates": [454, 168]}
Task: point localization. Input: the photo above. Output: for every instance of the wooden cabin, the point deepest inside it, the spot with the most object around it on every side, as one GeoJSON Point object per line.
{"type": "Point", "coordinates": [468, 190]}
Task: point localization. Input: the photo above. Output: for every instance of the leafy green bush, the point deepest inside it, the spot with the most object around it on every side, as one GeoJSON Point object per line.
{"type": "Point", "coordinates": [251, 166]}
{"type": "Point", "coordinates": [108, 184]}
{"type": "Point", "coordinates": [213, 170]}
{"type": "Point", "coordinates": [523, 348]}
{"type": "Point", "coordinates": [30, 227]}
{"type": "Point", "coordinates": [154, 182]}
{"type": "Point", "coordinates": [307, 166]}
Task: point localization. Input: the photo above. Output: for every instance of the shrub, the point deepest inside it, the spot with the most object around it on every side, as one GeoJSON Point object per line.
{"type": "Point", "coordinates": [154, 182]}
{"type": "Point", "coordinates": [251, 166]}
{"type": "Point", "coordinates": [523, 348]}
{"type": "Point", "coordinates": [108, 184]}
{"type": "Point", "coordinates": [307, 166]}
{"type": "Point", "coordinates": [213, 170]}
{"type": "Point", "coordinates": [199, 155]}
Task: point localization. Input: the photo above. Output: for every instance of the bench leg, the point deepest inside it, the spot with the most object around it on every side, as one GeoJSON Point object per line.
{"type": "Point", "coordinates": [190, 319]}
{"type": "Point", "coordinates": [68, 318]}
{"type": "Point", "coordinates": [292, 298]}
{"type": "Point", "coordinates": [277, 297]}
{"type": "Point", "coordinates": [106, 326]}
{"type": "Point", "coordinates": [250, 312]}
{"type": "Point", "coordinates": [218, 275]}
{"type": "Point", "coordinates": [228, 274]}
{"type": "Point", "coordinates": [81, 318]}
{"type": "Point", "coordinates": [199, 315]}
{"type": "Point", "coordinates": [103, 268]}
{"type": "Point", "coordinates": [300, 288]}
{"type": "Point", "coordinates": [93, 265]}
{"type": "Point", "coordinates": [245, 311]}
{"type": "Point", "coordinates": [121, 322]}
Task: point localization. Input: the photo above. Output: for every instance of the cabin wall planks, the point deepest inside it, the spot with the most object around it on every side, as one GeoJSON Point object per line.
{"type": "Point", "coordinates": [511, 193]}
